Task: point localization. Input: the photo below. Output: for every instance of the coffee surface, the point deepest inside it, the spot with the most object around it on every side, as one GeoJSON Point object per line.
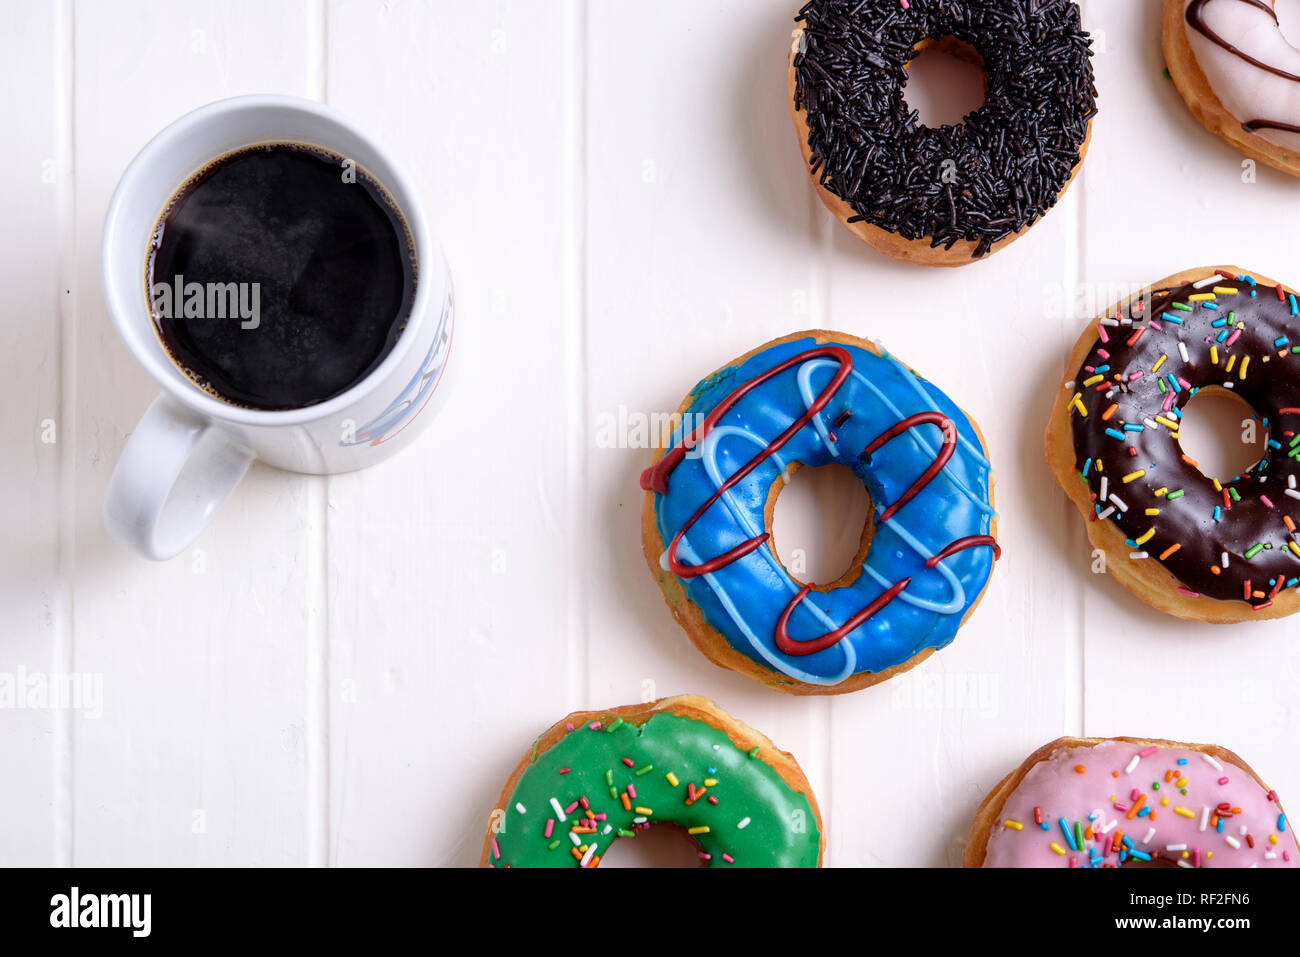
{"type": "Point", "coordinates": [280, 276]}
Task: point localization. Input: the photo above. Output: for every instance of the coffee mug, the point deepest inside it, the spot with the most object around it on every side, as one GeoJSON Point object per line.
{"type": "Point", "coordinates": [191, 449]}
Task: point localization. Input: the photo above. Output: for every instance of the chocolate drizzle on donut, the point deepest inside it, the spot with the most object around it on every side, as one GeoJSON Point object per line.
{"type": "Point", "coordinates": [1228, 539]}
{"type": "Point", "coordinates": [1254, 126]}
{"type": "Point", "coordinates": [980, 181]}
{"type": "Point", "coordinates": [1196, 20]}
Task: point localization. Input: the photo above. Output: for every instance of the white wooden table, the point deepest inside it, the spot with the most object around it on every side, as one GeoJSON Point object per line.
{"type": "Point", "coordinates": [344, 670]}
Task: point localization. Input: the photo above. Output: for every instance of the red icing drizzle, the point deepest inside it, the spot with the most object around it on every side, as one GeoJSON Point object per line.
{"type": "Point", "coordinates": [656, 478]}
{"type": "Point", "coordinates": [964, 543]}
{"type": "Point", "coordinates": [811, 647]}
{"type": "Point", "coordinates": [945, 453]}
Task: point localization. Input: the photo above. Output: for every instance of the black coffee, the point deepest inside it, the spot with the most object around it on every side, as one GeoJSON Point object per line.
{"type": "Point", "coordinates": [280, 275]}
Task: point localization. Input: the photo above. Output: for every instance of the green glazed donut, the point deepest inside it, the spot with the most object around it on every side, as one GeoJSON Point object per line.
{"type": "Point", "coordinates": [596, 777]}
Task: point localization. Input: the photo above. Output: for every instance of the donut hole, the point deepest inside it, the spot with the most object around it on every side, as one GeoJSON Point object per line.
{"type": "Point", "coordinates": [1220, 433]}
{"type": "Point", "coordinates": [821, 523]}
{"type": "Point", "coordinates": [660, 845]}
{"type": "Point", "coordinates": [946, 81]}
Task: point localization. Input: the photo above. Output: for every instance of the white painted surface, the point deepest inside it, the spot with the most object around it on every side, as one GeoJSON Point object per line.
{"type": "Point", "coordinates": [343, 671]}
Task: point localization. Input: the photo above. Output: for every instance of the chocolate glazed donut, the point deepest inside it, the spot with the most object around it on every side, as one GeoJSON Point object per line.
{"type": "Point", "coordinates": [1228, 546]}
{"type": "Point", "coordinates": [952, 194]}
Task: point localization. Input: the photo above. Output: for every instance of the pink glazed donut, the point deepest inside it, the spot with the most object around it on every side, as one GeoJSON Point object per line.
{"type": "Point", "coordinates": [1110, 802]}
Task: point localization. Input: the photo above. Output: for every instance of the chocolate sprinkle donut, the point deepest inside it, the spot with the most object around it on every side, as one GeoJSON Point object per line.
{"type": "Point", "coordinates": [1010, 159]}
{"type": "Point", "coordinates": [1231, 539]}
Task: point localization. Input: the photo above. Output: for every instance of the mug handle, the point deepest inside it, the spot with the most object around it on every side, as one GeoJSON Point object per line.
{"type": "Point", "coordinates": [175, 471]}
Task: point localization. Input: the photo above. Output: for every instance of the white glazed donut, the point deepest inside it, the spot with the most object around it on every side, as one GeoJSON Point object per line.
{"type": "Point", "coordinates": [1239, 74]}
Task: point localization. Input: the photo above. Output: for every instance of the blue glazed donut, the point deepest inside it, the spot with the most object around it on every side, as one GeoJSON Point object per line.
{"type": "Point", "coordinates": [815, 399]}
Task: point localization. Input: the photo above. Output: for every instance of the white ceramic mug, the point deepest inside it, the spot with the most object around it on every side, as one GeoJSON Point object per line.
{"type": "Point", "coordinates": [191, 449]}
